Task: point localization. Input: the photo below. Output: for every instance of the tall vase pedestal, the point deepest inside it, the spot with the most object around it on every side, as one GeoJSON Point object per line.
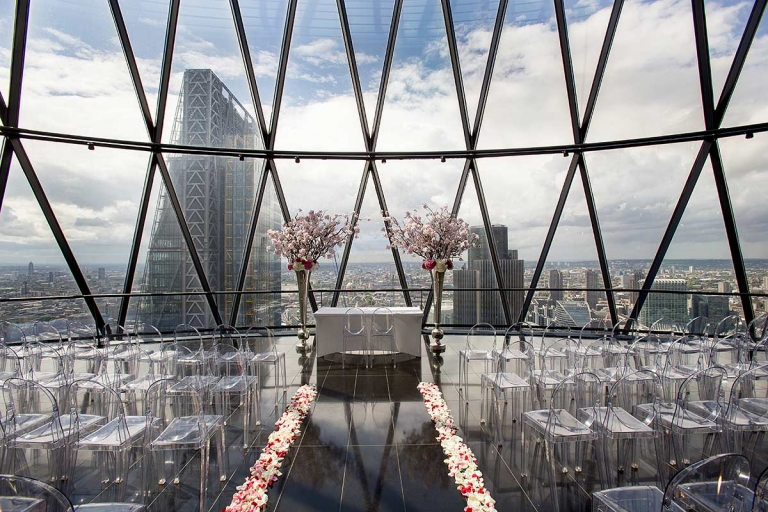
{"type": "Point", "coordinates": [302, 278]}
{"type": "Point", "coordinates": [436, 346]}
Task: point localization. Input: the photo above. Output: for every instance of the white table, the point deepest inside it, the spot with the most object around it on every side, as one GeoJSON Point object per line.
{"type": "Point", "coordinates": [329, 328]}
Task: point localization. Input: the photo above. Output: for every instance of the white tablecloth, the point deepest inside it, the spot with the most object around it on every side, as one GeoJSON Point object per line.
{"type": "Point", "coordinates": [329, 328]}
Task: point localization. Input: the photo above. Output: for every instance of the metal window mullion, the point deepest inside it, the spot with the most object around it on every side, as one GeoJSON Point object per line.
{"type": "Point", "coordinates": [731, 231]}
{"type": "Point", "coordinates": [187, 235]}
{"type": "Point", "coordinates": [753, 23]}
{"type": "Point", "coordinates": [250, 74]}
{"type": "Point", "coordinates": [550, 235]}
{"type": "Point", "coordinates": [602, 63]}
{"type": "Point", "coordinates": [249, 243]}
{"type": "Point", "coordinates": [674, 222]}
{"type": "Point", "coordinates": [18, 54]}
{"type": "Point", "coordinates": [3, 108]}
{"type": "Point", "coordinates": [570, 83]}
{"type": "Point", "coordinates": [138, 234]}
{"type": "Point", "coordinates": [388, 56]}
{"type": "Point", "coordinates": [165, 72]}
{"type": "Point", "coordinates": [388, 228]}
{"type": "Point", "coordinates": [491, 241]}
{"type": "Point", "coordinates": [348, 246]}
{"type": "Point", "coordinates": [282, 66]}
{"type": "Point", "coordinates": [58, 233]}
{"type": "Point", "coordinates": [133, 69]}
{"type": "Point", "coordinates": [6, 157]}
{"type": "Point", "coordinates": [456, 67]}
{"type": "Point", "coordinates": [493, 51]}
{"type": "Point", "coordinates": [355, 75]}
{"type": "Point", "coordinates": [704, 65]}
{"type": "Point", "coordinates": [601, 256]}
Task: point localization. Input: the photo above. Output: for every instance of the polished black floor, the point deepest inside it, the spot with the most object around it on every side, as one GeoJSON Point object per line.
{"type": "Point", "coordinates": [368, 444]}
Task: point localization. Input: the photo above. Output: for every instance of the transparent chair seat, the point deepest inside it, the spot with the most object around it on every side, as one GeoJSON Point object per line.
{"type": "Point", "coordinates": [686, 421]}
{"type": "Point", "coordinates": [740, 419]}
{"type": "Point", "coordinates": [476, 355]}
{"type": "Point", "coordinates": [504, 381]}
{"type": "Point", "coordinates": [197, 382]}
{"type": "Point", "coordinates": [111, 434]}
{"type": "Point", "coordinates": [755, 405]}
{"type": "Point", "coordinates": [110, 507]}
{"type": "Point", "coordinates": [616, 422]}
{"type": "Point", "coordinates": [265, 357]}
{"type": "Point", "coordinates": [44, 435]}
{"type": "Point", "coordinates": [233, 384]}
{"type": "Point", "coordinates": [140, 384]}
{"type": "Point", "coordinates": [562, 425]}
{"type": "Point", "coordinates": [641, 498]}
{"type": "Point", "coordinates": [27, 422]}
{"type": "Point", "coordinates": [185, 430]}
{"type": "Point", "coordinates": [21, 504]}
{"type": "Point", "coordinates": [549, 379]}
{"type": "Point", "coordinates": [105, 379]}
{"type": "Point", "coordinates": [717, 495]}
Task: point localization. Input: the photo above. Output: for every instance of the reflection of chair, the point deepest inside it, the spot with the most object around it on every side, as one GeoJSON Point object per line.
{"type": "Point", "coordinates": [354, 329]}
{"type": "Point", "coordinates": [183, 426]}
{"type": "Point", "coordinates": [262, 350]}
{"type": "Point", "coordinates": [719, 483]}
{"type": "Point", "coordinates": [480, 335]}
{"type": "Point", "coordinates": [382, 329]}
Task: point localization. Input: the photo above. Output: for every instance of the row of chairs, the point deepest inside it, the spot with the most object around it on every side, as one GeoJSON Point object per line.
{"type": "Point", "coordinates": [123, 401]}
{"type": "Point", "coordinates": [369, 332]}
{"type": "Point", "coordinates": [598, 399]}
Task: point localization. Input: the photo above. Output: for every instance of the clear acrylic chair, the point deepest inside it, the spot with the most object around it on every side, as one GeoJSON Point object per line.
{"type": "Point", "coordinates": [183, 426]}
{"type": "Point", "coordinates": [355, 331]}
{"type": "Point", "coordinates": [716, 484]}
{"type": "Point", "coordinates": [55, 432]}
{"type": "Point", "coordinates": [235, 388]}
{"type": "Point", "coordinates": [511, 382]}
{"type": "Point", "coordinates": [113, 441]}
{"type": "Point", "coordinates": [639, 498]}
{"type": "Point", "coordinates": [551, 371]}
{"type": "Point", "coordinates": [520, 331]}
{"type": "Point", "coordinates": [383, 334]}
{"type": "Point", "coordinates": [48, 336]}
{"type": "Point", "coordinates": [760, 504]}
{"type": "Point", "coordinates": [554, 436]}
{"type": "Point", "coordinates": [262, 351]}
{"type": "Point", "coordinates": [626, 439]}
{"type": "Point", "coordinates": [10, 363]}
{"type": "Point", "coordinates": [745, 420]}
{"type": "Point", "coordinates": [480, 347]}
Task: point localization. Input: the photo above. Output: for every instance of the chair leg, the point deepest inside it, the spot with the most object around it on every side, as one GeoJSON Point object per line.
{"type": "Point", "coordinates": [221, 456]}
{"type": "Point", "coordinates": [204, 469]}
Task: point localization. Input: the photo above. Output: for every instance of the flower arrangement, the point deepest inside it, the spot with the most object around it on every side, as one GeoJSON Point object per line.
{"type": "Point", "coordinates": [306, 238]}
{"type": "Point", "coordinates": [437, 237]}
{"type": "Point", "coordinates": [462, 464]}
{"type": "Point", "coordinates": [252, 495]}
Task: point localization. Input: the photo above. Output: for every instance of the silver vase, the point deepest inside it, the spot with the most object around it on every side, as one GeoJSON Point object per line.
{"type": "Point", "coordinates": [437, 333]}
{"type": "Point", "coordinates": [302, 278]}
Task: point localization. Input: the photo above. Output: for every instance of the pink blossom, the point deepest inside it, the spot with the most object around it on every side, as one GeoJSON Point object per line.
{"type": "Point", "coordinates": [430, 264]}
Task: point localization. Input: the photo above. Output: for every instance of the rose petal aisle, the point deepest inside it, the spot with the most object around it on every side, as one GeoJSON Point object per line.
{"type": "Point", "coordinates": [252, 495]}
{"type": "Point", "coordinates": [462, 464]}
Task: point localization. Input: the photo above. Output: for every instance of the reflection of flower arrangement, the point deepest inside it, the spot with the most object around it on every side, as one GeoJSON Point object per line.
{"type": "Point", "coordinates": [307, 238]}
{"type": "Point", "coordinates": [252, 495]}
{"type": "Point", "coordinates": [437, 238]}
{"type": "Point", "coordinates": [462, 464]}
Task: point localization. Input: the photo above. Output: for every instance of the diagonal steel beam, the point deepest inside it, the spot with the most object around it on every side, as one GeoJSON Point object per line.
{"type": "Point", "coordinates": [133, 68]}
{"type": "Point", "coordinates": [550, 235]}
{"type": "Point", "coordinates": [355, 75]}
{"type": "Point", "coordinates": [674, 222]}
{"type": "Point", "coordinates": [388, 227]}
{"type": "Point", "coordinates": [179, 211]}
{"type": "Point", "coordinates": [388, 55]}
{"type": "Point", "coordinates": [250, 74]}
{"type": "Point", "coordinates": [249, 243]}
{"type": "Point", "coordinates": [138, 234]}
{"type": "Point", "coordinates": [570, 82]}
{"type": "Point", "coordinates": [453, 51]}
{"type": "Point", "coordinates": [348, 246]}
{"type": "Point", "coordinates": [18, 54]}
{"type": "Point", "coordinates": [704, 65]}
{"type": "Point", "coordinates": [486, 86]}
{"type": "Point", "coordinates": [282, 66]}
{"type": "Point", "coordinates": [5, 167]}
{"type": "Point", "coordinates": [753, 23]}
{"type": "Point", "coordinates": [3, 108]}
{"type": "Point", "coordinates": [598, 234]}
{"type": "Point", "coordinates": [165, 72]}
{"type": "Point", "coordinates": [602, 63]}
{"type": "Point", "coordinates": [730, 229]}
{"type": "Point", "coordinates": [58, 233]}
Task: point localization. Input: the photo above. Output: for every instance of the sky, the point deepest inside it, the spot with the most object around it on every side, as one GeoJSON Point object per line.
{"type": "Point", "coordinates": [76, 81]}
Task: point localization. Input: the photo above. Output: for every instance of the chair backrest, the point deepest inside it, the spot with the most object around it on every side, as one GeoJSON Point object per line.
{"type": "Point", "coordinates": [382, 321]}
{"type": "Point", "coordinates": [761, 493]}
{"type": "Point", "coordinates": [14, 334]}
{"type": "Point", "coordinates": [46, 333]}
{"type": "Point", "coordinates": [582, 390]}
{"type": "Point", "coordinates": [681, 354]}
{"type": "Point", "coordinates": [635, 388]}
{"type": "Point", "coordinates": [226, 334]}
{"type": "Point", "coordinates": [749, 392]}
{"type": "Point", "coordinates": [720, 481]}
{"type": "Point", "coordinates": [81, 332]}
{"type": "Point", "coordinates": [36, 360]}
{"type": "Point", "coordinates": [227, 360]}
{"type": "Point", "coordinates": [34, 494]}
{"type": "Point", "coordinates": [354, 321]}
{"type": "Point", "coordinates": [518, 358]}
{"type": "Point", "coordinates": [704, 386]}
{"type": "Point", "coordinates": [481, 336]}
{"type": "Point", "coordinates": [188, 336]}
{"type": "Point", "coordinates": [10, 362]}
{"type": "Point", "coordinates": [167, 399]}
{"type": "Point", "coordinates": [759, 354]}
{"type": "Point", "coordinates": [554, 357]}
{"type": "Point", "coordinates": [93, 398]}
{"type": "Point", "coordinates": [24, 396]}
{"type": "Point", "coordinates": [147, 333]}
{"type": "Point", "coordinates": [758, 327]}
{"type": "Point", "coordinates": [259, 340]}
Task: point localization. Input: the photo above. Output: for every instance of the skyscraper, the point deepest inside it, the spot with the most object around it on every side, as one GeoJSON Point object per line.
{"type": "Point", "coordinates": [592, 281]}
{"type": "Point", "coordinates": [217, 195]}
{"type": "Point", "coordinates": [472, 307]}
{"type": "Point", "coordinates": [556, 281]}
{"type": "Point", "coordinates": [672, 307]}
{"type": "Point", "coordinates": [31, 269]}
